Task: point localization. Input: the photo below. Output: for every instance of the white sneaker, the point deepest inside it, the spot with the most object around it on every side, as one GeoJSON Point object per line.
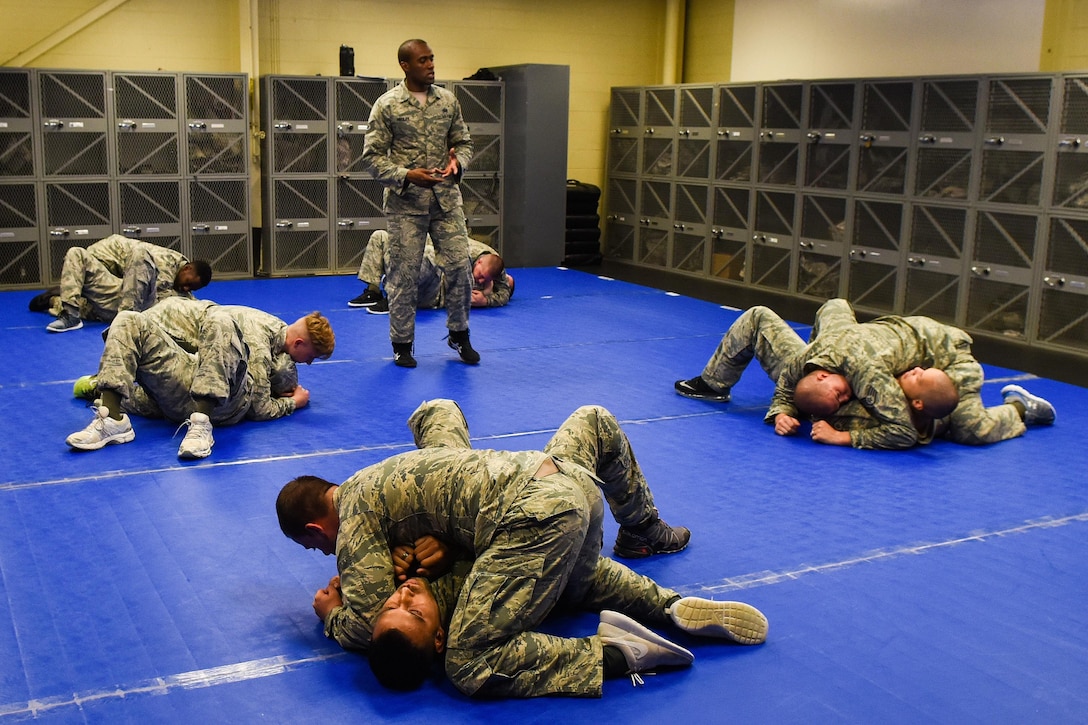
{"type": "Point", "coordinates": [642, 649]}
{"type": "Point", "coordinates": [102, 431]}
{"type": "Point", "coordinates": [198, 441]}
{"type": "Point", "coordinates": [735, 621]}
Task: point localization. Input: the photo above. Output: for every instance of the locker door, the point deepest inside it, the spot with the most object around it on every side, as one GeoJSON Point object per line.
{"type": "Point", "coordinates": [75, 141]}
{"type": "Point", "coordinates": [1013, 158]}
{"type": "Point", "coordinates": [658, 142]}
{"type": "Point", "coordinates": [691, 224]}
{"type": "Point", "coordinates": [621, 222]}
{"type": "Point", "coordinates": [935, 260]}
{"type": "Point", "coordinates": [779, 151]}
{"type": "Point", "coordinates": [1000, 284]}
{"type": "Point", "coordinates": [821, 246]}
{"type": "Point", "coordinates": [624, 130]}
{"type": "Point", "coordinates": [946, 139]}
{"type": "Point", "coordinates": [875, 253]}
{"type": "Point", "coordinates": [773, 238]}
{"type": "Point", "coordinates": [147, 124]}
{"type": "Point", "coordinates": [1063, 313]}
{"type": "Point", "coordinates": [77, 213]}
{"type": "Point", "coordinates": [20, 242]}
{"type": "Point", "coordinates": [884, 139]}
{"type": "Point", "coordinates": [831, 136]}
{"type": "Point", "coordinates": [218, 216]}
{"type": "Point", "coordinates": [17, 156]}
{"type": "Point", "coordinates": [217, 124]}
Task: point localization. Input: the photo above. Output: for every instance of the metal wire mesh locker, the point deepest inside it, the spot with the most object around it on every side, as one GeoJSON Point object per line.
{"type": "Point", "coordinates": [963, 198]}
{"type": "Point", "coordinates": [113, 153]}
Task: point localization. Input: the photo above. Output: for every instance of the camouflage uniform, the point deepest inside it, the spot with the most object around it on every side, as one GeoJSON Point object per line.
{"type": "Point", "coordinates": [157, 378]}
{"type": "Point", "coordinates": [432, 283]}
{"type": "Point", "coordinates": [871, 355]}
{"type": "Point", "coordinates": [759, 332]}
{"type": "Point", "coordinates": [269, 369]}
{"type": "Point", "coordinates": [116, 274]}
{"type": "Point", "coordinates": [405, 135]}
{"type": "Point", "coordinates": [536, 545]}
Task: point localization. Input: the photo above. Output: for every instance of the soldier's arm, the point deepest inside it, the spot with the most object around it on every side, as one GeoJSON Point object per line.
{"type": "Point", "coordinates": [879, 393]}
{"type": "Point", "coordinates": [263, 405]}
{"type": "Point", "coordinates": [378, 143]}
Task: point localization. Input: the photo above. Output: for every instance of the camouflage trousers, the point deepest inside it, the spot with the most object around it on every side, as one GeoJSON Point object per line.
{"type": "Point", "coordinates": [545, 556]}
{"type": "Point", "coordinates": [758, 333]}
{"type": "Point", "coordinates": [407, 241]}
{"type": "Point", "coordinates": [432, 289]}
{"type": "Point", "coordinates": [157, 378]}
{"type": "Point", "coordinates": [89, 289]}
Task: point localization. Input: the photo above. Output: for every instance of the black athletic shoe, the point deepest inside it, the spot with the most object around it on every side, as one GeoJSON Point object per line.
{"type": "Point", "coordinates": [402, 355]}
{"type": "Point", "coordinates": [42, 301]}
{"type": "Point", "coordinates": [381, 307]}
{"type": "Point", "coordinates": [366, 299]}
{"type": "Point", "coordinates": [698, 389]}
{"type": "Point", "coordinates": [459, 342]}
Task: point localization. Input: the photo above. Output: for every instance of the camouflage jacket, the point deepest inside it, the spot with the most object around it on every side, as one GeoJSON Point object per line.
{"type": "Point", "coordinates": [265, 337]}
{"type": "Point", "coordinates": [404, 135]}
{"type": "Point", "coordinates": [460, 495]}
{"type": "Point", "coordinates": [116, 252]}
{"type": "Point", "coordinates": [870, 356]}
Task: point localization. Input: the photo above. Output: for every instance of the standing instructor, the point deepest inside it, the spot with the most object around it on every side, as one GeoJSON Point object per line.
{"type": "Point", "coordinates": [417, 146]}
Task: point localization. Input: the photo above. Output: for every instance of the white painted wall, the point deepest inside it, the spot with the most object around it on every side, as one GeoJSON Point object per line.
{"type": "Point", "coordinates": [780, 39]}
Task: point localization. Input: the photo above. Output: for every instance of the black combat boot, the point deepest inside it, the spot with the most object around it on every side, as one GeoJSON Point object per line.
{"type": "Point", "coordinates": [402, 355]}
{"type": "Point", "coordinates": [459, 342]}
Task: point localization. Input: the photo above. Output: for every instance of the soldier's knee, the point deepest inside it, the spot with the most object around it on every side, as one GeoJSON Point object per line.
{"type": "Point", "coordinates": [836, 304]}
{"type": "Point", "coordinates": [74, 255]}
{"type": "Point", "coordinates": [593, 413]}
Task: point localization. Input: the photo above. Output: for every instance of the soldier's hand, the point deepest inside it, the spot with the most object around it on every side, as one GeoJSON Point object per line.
{"type": "Point", "coordinates": [426, 178]}
{"type": "Point", "coordinates": [453, 166]}
{"type": "Point", "coordinates": [823, 432]}
{"type": "Point", "coordinates": [786, 425]}
{"type": "Point", "coordinates": [433, 556]}
{"type": "Point", "coordinates": [326, 600]}
{"type": "Point", "coordinates": [301, 396]}
{"type": "Point", "coordinates": [404, 562]}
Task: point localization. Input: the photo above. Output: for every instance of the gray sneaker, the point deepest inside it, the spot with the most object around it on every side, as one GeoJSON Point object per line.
{"type": "Point", "coordinates": [1036, 410]}
{"type": "Point", "coordinates": [102, 431]}
{"type": "Point", "coordinates": [642, 649]}
{"type": "Point", "coordinates": [657, 538]}
{"type": "Point", "coordinates": [736, 621]}
{"type": "Point", "coordinates": [65, 323]}
{"type": "Point", "coordinates": [198, 440]}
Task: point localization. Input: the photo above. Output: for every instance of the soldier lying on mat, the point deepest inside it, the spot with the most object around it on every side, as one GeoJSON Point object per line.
{"type": "Point", "coordinates": [864, 362]}
{"type": "Point", "coordinates": [116, 274]}
{"type": "Point", "coordinates": [199, 363]}
{"type": "Point", "coordinates": [531, 524]}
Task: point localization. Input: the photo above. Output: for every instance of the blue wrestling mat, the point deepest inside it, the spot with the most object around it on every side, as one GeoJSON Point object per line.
{"type": "Point", "coordinates": [945, 584]}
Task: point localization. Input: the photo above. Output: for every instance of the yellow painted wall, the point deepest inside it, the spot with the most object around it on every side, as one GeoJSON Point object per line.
{"type": "Point", "coordinates": [194, 35]}
{"type": "Point", "coordinates": [1065, 36]}
{"type": "Point", "coordinates": [605, 43]}
{"type": "Point", "coordinates": [708, 42]}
